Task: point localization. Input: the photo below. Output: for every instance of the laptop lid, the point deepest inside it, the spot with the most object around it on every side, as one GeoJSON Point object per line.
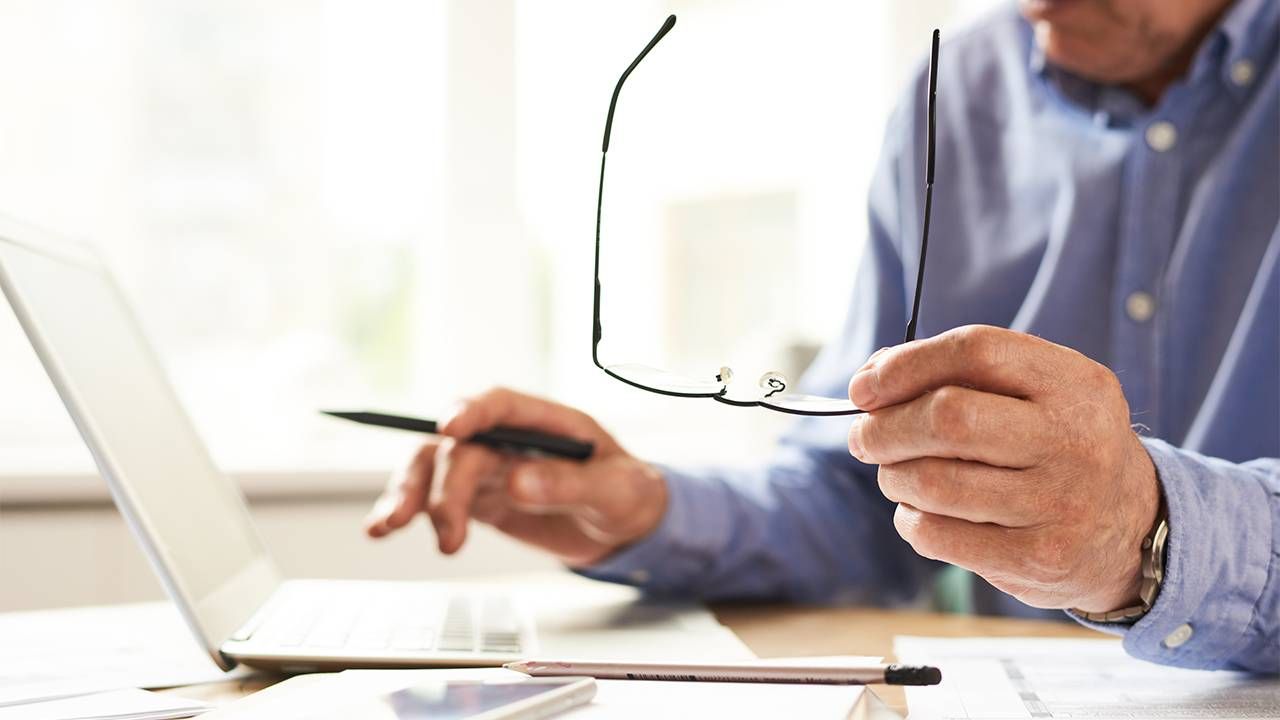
{"type": "Point", "coordinates": [190, 519]}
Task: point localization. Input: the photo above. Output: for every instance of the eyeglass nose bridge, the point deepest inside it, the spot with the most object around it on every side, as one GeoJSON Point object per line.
{"type": "Point", "coordinates": [771, 383]}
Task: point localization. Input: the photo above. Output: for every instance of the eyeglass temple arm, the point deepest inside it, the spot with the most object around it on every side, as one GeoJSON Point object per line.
{"type": "Point", "coordinates": [928, 189]}
{"type": "Point", "coordinates": [596, 331]}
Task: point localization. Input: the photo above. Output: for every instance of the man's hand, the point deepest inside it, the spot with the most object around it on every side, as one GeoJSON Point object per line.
{"type": "Point", "coordinates": [1013, 457]}
{"type": "Point", "coordinates": [580, 512]}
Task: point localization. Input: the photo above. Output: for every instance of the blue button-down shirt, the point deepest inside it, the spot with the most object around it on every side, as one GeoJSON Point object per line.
{"type": "Point", "coordinates": [1143, 237]}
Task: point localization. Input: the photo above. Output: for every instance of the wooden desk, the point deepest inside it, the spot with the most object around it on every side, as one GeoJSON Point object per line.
{"type": "Point", "coordinates": [780, 631]}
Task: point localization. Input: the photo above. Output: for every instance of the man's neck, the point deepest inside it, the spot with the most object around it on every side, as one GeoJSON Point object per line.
{"type": "Point", "coordinates": [1151, 88]}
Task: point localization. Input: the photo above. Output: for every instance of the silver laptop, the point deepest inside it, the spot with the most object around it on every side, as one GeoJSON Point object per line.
{"type": "Point", "coordinates": [192, 521]}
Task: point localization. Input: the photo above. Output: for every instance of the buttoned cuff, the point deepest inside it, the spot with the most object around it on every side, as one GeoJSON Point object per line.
{"type": "Point", "coordinates": [1218, 556]}
{"type": "Point", "coordinates": [693, 529]}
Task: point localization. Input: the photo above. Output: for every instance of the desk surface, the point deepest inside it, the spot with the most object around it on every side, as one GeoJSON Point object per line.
{"type": "Point", "coordinates": [779, 631]}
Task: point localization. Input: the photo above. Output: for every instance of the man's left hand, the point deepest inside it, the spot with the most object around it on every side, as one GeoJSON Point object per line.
{"type": "Point", "coordinates": [1013, 457]}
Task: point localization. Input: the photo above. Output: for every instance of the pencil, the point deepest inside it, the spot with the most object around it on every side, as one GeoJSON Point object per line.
{"type": "Point", "coordinates": [736, 672]}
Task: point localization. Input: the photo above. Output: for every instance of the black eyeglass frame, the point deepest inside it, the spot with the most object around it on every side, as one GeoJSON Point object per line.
{"type": "Point", "coordinates": [721, 395]}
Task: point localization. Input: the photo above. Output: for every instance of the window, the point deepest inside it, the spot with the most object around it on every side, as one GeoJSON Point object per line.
{"type": "Point", "coordinates": [391, 203]}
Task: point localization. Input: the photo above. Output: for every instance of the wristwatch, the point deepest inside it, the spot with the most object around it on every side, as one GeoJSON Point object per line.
{"type": "Point", "coordinates": [1153, 551]}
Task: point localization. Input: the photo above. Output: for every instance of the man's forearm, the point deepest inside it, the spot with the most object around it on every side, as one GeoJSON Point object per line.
{"type": "Point", "coordinates": [807, 528]}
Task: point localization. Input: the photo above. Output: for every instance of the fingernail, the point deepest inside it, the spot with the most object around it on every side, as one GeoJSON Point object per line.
{"type": "Point", "coordinates": [531, 485]}
{"type": "Point", "coordinates": [875, 355]}
{"type": "Point", "coordinates": [864, 386]}
{"type": "Point", "coordinates": [855, 440]}
{"type": "Point", "coordinates": [444, 533]}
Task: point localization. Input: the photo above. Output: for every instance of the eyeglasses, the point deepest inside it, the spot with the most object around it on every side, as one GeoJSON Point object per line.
{"type": "Point", "coordinates": [772, 390]}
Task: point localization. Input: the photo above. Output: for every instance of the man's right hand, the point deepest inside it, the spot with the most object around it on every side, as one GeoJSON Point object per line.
{"type": "Point", "coordinates": [578, 511]}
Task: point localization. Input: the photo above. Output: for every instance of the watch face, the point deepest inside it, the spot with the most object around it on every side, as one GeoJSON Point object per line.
{"type": "Point", "coordinates": [1153, 551]}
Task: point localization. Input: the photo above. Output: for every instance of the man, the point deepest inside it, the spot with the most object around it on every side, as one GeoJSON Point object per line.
{"type": "Point", "coordinates": [1108, 189]}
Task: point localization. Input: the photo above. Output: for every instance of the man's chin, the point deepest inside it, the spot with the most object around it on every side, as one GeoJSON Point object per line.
{"type": "Point", "coordinates": [1081, 54]}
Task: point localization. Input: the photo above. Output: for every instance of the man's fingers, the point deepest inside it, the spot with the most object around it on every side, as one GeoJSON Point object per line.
{"type": "Point", "coordinates": [989, 550]}
{"type": "Point", "coordinates": [1025, 562]}
{"type": "Point", "coordinates": [405, 495]}
{"type": "Point", "coordinates": [953, 422]}
{"type": "Point", "coordinates": [988, 358]}
{"type": "Point", "coordinates": [460, 468]}
{"type": "Point", "coordinates": [500, 406]}
{"type": "Point", "coordinates": [961, 489]}
{"type": "Point", "coordinates": [551, 485]}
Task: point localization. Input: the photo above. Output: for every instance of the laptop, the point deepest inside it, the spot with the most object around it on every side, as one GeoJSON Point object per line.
{"type": "Point", "coordinates": [192, 520]}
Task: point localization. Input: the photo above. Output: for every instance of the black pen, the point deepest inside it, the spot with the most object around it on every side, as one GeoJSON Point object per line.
{"type": "Point", "coordinates": [505, 439]}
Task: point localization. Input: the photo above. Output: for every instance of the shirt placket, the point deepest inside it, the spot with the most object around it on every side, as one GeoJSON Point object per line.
{"type": "Point", "coordinates": [1153, 177]}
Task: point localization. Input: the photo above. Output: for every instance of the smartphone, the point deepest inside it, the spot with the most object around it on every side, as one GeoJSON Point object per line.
{"type": "Point", "coordinates": [530, 699]}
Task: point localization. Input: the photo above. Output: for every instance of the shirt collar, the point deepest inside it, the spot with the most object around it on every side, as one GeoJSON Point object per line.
{"type": "Point", "coordinates": [1249, 31]}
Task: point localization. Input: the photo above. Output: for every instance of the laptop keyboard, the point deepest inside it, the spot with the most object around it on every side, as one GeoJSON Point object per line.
{"type": "Point", "coordinates": [400, 619]}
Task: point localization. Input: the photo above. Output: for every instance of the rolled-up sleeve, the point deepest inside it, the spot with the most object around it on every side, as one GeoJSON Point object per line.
{"type": "Point", "coordinates": [1219, 605]}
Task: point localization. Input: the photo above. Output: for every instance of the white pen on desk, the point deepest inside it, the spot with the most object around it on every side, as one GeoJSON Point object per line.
{"type": "Point", "coordinates": [735, 672]}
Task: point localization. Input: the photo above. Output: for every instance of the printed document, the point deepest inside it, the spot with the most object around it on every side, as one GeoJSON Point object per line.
{"type": "Point", "coordinates": [48, 654]}
{"type": "Point", "coordinates": [1016, 678]}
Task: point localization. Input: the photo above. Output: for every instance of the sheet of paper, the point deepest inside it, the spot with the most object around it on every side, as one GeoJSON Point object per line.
{"type": "Point", "coordinates": [127, 704]}
{"type": "Point", "coordinates": [308, 695]}
{"type": "Point", "coordinates": [644, 700]}
{"type": "Point", "coordinates": [55, 653]}
{"type": "Point", "coordinates": [1015, 678]}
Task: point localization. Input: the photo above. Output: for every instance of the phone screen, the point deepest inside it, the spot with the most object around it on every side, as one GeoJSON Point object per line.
{"type": "Point", "coordinates": [459, 700]}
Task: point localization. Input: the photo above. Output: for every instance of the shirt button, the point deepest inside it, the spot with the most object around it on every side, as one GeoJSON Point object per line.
{"type": "Point", "coordinates": [1179, 636]}
{"type": "Point", "coordinates": [1162, 135]}
{"type": "Point", "coordinates": [638, 577]}
{"type": "Point", "coordinates": [1242, 72]}
{"type": "Point", "coordinates": [1140, 306]}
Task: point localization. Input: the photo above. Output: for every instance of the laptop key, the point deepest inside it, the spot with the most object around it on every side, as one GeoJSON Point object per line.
{"type": "Point", "coordinates": [500, 643]}
{"type": "Point", "coordinates": [504, 649]}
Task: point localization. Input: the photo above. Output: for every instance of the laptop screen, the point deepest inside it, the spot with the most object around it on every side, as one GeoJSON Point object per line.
{"type": "Point", "coordinates": [191, 515]}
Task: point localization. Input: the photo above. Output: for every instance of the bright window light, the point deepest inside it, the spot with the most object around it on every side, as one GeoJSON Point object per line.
{"type": "Point", "coordinates": [389, 204]}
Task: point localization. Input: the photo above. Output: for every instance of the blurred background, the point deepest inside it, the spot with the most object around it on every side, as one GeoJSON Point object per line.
{"type": "Point", "coordinates": [391, 203]}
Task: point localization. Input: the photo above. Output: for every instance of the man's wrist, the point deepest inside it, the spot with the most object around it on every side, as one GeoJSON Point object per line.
{"type": "Point", "coordinates": [1124, 600]}
{"type": "Point", "coordinates": [654, 496]}
{"type": "Point", "coordinates": [1142, 583]}
{"type": "Point", "coordinates": [693, 527]}
{"type": "Point", "coordinates": [1153, 563]}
